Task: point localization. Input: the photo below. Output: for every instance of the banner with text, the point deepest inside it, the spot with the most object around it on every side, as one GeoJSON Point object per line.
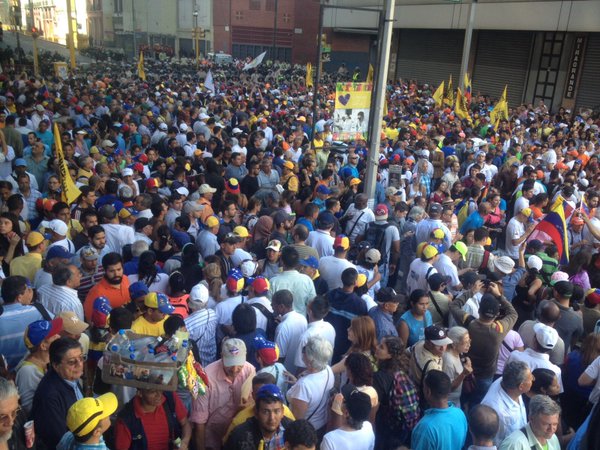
{"type": "Point", "coordinates": [352, 108]}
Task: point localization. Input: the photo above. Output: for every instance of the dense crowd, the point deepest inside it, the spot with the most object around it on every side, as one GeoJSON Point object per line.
{"type": "Point", "coordinates": [437, 315]}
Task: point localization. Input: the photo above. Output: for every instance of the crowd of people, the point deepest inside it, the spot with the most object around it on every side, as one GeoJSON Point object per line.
{"type": "Point", "coordinates": [437, 315]}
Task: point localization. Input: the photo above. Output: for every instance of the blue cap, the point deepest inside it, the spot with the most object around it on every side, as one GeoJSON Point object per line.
{"type": "Point", "coordinates": [311, 261]}
{"type": "Point", "coordinates": [325, 219]}
{"type": "Point", "coordinates": [58, 251]}
{"type": "Point", "coordinates": [322, 189]}
{"type": "Point", "coordinates": [20, 162]}
{"type": "Point", "coordinates": [180, 238]}
{"type": "Point", "coordinates": [269, 391]}
{"type": "Point", "coordinates": [137, 290]}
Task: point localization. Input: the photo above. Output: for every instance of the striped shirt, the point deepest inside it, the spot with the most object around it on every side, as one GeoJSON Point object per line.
{"type": "Point", "coordinates": [202, 327]}
{"type": "Point", "coordinates": [58, 299]}
{"type": "Point", "coordinates": [88, 281]}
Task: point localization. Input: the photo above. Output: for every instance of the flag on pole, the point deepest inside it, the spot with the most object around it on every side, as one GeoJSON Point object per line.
{"type": "Point", "coordinates": [70, 192]}
{"type": "Point", "coordinates": [209, 83]}
{"type": "Point", "coordinates": [309, 75]}
{"type": "Point", "coordinates": [461, 110]}
{"type": "Point", "coordinates": [503, 97]}
{"type": "Point", "coordinates": [438, 95]}
{"type": "Point", "coordinates": [255, 62]}
{"type": "Point", "coordinates": [370, 74]}
{"type": "Point", "coordinates": [141, 73]}
{"type": "Point", "coordinates": [554, 224]}
{"type": "Point", "coordinates": [500, 111]}
{"type": "Point", "coordinates": [449, 97]}
{"type": "Point", "coordinates": [467, 86]}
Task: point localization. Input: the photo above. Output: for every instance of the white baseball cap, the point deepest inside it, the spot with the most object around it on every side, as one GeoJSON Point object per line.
{"type": "Point", "coordinates": [546, 336]}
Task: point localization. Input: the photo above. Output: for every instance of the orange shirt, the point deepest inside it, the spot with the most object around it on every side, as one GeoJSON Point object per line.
{"type": "Point", "coordinates": [116, 295]}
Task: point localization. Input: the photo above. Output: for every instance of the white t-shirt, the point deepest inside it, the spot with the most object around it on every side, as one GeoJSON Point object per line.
{"type": "Point", "coordinates": [446, 267]}
{"type": "Point", "coordinates": [261, 320]}
{"type": "Point", "coordinates": [593, 371]}
{"type": "Point", "coordinates": [314, 389]}
{"type": "Point", "coordinates": [224, 309]}
{"type": "Point", "coordinates": [358, 224]}
{"type": "Point", "coordinates": [363, 439]}
{"type": "Point", "coordinates": [521, 204]}
{"type": "Point", "coordinates": [118, 236]}
{"type": "Point", "coordinates": [514, 230]}
{"type": "Point", "coordinates": [318, 328]}
{"type": "Point", "coordinates": [161, 283]}
{"type": "Point", "coordinates": [331, 269]}
{"type": "Point", "coordinates": [321, 241]}
{"type": "Point", "coordinates": [288, 335]}
{"type": "Point", "coordinates": [418, 273]}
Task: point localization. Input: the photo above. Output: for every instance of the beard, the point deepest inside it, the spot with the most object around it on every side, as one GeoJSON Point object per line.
{"type": "Point", "coordinates": [114, 280]}
{"type": "Point", "coordinates": [5, 437]}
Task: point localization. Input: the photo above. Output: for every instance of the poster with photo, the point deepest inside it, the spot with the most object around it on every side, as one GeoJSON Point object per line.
{"type": "Point", "coordinates": [352, 109]}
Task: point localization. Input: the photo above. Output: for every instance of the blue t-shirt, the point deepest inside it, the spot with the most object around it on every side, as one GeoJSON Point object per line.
{"type": "Point", "coordinates": [440, 429]}
{"type": "Point", "coordinates": [416, 328]}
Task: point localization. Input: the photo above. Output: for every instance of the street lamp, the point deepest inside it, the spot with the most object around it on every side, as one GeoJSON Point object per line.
{"type": "Point", "coordinates": [196, 37]}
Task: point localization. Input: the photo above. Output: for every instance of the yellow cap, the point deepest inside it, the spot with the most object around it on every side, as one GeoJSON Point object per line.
{"type": "Point", "coordinates": [420, 248]}
{"type": "Point", "coordinates": [361, 279]}
{"type": "Point", "coordinates": [438, 233]}
{"type": "Point", "coordinates": [241, 231]}
{"type": "Point", "coordinates": [526, 212]}
{"type": "Point", "coordinates": [34, 238]}
{"type": "Point", "coordinates": [84, 415]}
{"type": "Point", "coordinates": [430, 251]}
{"type": "Point", "coordinates": [212, 221]}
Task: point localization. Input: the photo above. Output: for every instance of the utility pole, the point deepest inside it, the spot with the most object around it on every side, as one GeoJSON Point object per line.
{"type": "Point", "coordinates": [133, 28]}
{"type": "Point", "coordinates": [385, 38]}
{"type": "Point", "coordinates": [36, 65]}
{"type": "Point", "coordinates": [464, 64]}
{"type": "Point", "coordinates": [318, 66]}
{"type": "Point", "coordinates": [196, 33]}
{"type": "Point", "coordinates": [72, 39]}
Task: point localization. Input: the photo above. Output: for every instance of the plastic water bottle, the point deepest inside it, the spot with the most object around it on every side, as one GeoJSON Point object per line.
{"type": "Point", "coordinates": [119, 342]}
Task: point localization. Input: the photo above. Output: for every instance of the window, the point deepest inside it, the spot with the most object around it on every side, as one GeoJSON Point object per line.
{"type": "Point", "coordinates": [255, 5]}
{"type": "Point", "coordinates": [239, 15]}
{"type": "Point", "coordinates": [270, 5]}
{"type": "Point", "coordinates": [118, 6]}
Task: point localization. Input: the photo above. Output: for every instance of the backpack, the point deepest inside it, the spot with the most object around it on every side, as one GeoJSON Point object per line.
{"type": "Point", "coordinates": [271, 324]}
{"type": "Point", "coordinates": [134, 425]}
{"type": "Point", "coordinates": [404, 403]}
{"type": "Point", "coordinates": [375, 235]}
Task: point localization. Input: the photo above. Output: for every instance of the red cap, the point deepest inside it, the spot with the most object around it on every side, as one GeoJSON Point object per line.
{"type": "Point", "coordinates": [152, 183]}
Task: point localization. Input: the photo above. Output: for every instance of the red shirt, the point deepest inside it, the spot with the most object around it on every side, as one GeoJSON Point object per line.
{"type": "Point", "coordinates": [117, 296]}
{"type": "Point", "coordinates": [154, 423]}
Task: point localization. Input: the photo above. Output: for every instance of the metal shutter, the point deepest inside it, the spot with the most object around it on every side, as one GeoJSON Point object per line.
{"type": "Point", "coordinates": [502, 57]}
{"type": "Point", "coordinates": [588, 93]}
{"type": "Point", "coordinates": [430, 56]}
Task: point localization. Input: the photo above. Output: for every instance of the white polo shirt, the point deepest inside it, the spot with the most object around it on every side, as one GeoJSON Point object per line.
{"type": "Point", "coordinates": [318, 328]}
{"type": "Point", "coordinates": [331, 269]}
{"type": "Point", "coordinates": [536, 360]}
{"type": "Point", "coordinates": [512, 414]}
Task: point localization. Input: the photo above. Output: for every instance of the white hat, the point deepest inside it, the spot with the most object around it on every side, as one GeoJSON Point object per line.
{"type": "Point", "coordinates": [198, 297]}
{"type": "Point", "coordinates": [205, 189]}
{"type": "Point", "coordinates": [127, 172]}
{"type": "Point", "coordinates": [163, 126]}
{"type": "Point", "coordinates": [546, 336]}
{"type": "Point", "coordinates": [203, 116]}
{"type": "Point", "coordinates": [504, 264]}
{"type": "Point", "coordinates": [233, 352]}
{"type": "Point", "coordinates": [59, 227]}
{"type": "Point", "coordinates": [236, 131]}
{"type": "Point", "coordinates": [535, 262]}
{"type": "Point", "coordinates": [183, 127]}
{"type": "Point", "coordinates": [182, 190]}
{"type": "Point", "coordinates": [248, 268]}
{"type": "Point", "coordinates": [107, 143]}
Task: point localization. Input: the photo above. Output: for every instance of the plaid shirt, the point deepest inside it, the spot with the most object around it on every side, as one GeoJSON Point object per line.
{"type": "Point", "coordinates": [31, 201]}
{"type": "Point", "coordinates": [404, 401]}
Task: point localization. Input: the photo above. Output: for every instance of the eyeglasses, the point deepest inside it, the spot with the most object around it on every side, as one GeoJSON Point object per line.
{"type": "Point", "coordinates": [75, 361]}
{"type": "Point", "coordinates": [5, 418]}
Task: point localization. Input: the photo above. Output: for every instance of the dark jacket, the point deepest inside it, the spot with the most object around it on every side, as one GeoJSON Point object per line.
{"type": "Point", "coordinates": [51, 401]}
{"type": "Point", "coordinates": [247, 436]}
{"type": "Point", "coordinates": [343, 307]}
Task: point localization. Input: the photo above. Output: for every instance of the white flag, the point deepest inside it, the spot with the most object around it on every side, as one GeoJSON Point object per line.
{"type": "Point", "coordinates": [209, 83]}
{"type": "Point", "coordinates": [255, 62]}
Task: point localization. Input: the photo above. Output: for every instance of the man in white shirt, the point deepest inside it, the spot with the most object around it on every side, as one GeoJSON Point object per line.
{"type": "Point", "coordinates": [257, 297]}
{"type": "Point", "coordinates": [61, 295]}
{"type": "Point", "coordinates": [426, 226]}
{"type": "Point", "coordinates": [316, 311]}
{"type": "Point", "coordinates": [421, 269]}
{"type": "Point", "coordinates": [359, 215]}
{"type": "Point", "coordinates": [504, 397]}
{"type": "Point", "coordinates": [321, 239]}
{"type": "Point", "coordinates": [224, 309]}
{"type": "Point", "coordinates": [538, 356]}
{"type": "Point", "coordinates": [117, 235]}
{"type": "Point", "coordinates": [517, 231]}
{"type": "Point", "coordinates": [290, 329]}
{"type": "Point", "coordinates": [331, 267]}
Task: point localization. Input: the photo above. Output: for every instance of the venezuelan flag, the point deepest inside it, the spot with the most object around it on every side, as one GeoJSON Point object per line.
{"type": "Point", "coordinates": [554, 224]}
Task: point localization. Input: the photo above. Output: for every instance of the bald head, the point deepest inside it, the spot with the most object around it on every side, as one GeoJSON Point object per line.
{"type": "Point", "coordinates": [549, 312]}
{"type": "Point", "coordinates": [483, 424]}
{"type": "Point", "coordinates": [360, 201]}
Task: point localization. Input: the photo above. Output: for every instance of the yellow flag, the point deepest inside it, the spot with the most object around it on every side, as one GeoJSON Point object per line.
{"type": "Point", "coordinates": [70, 192]}
{"type": "Point", "coordinates": [309, 81]}
{"type": "Point", "coordinates": [461, 109]}
{"type": "Point", "coordinates": [370, 74]}
{"type": "Point", "coordinates": [140, 68]}
{"type": "Point", "coordinates": [467, 87]}
{"type": "Point", "coordinates": [500, 111]}
{"type": "Point", "coordinates": [449, 97]}
{"type": "Point", "coordinates": [438, 95]}
{"type": "Point", "coordinates": [503, 97]}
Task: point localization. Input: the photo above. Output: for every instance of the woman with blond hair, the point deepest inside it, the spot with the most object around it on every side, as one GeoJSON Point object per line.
{"type": "Point", "coordinates": [363, 338]}
{"type": "Point", "coordinates": [213, 282]}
